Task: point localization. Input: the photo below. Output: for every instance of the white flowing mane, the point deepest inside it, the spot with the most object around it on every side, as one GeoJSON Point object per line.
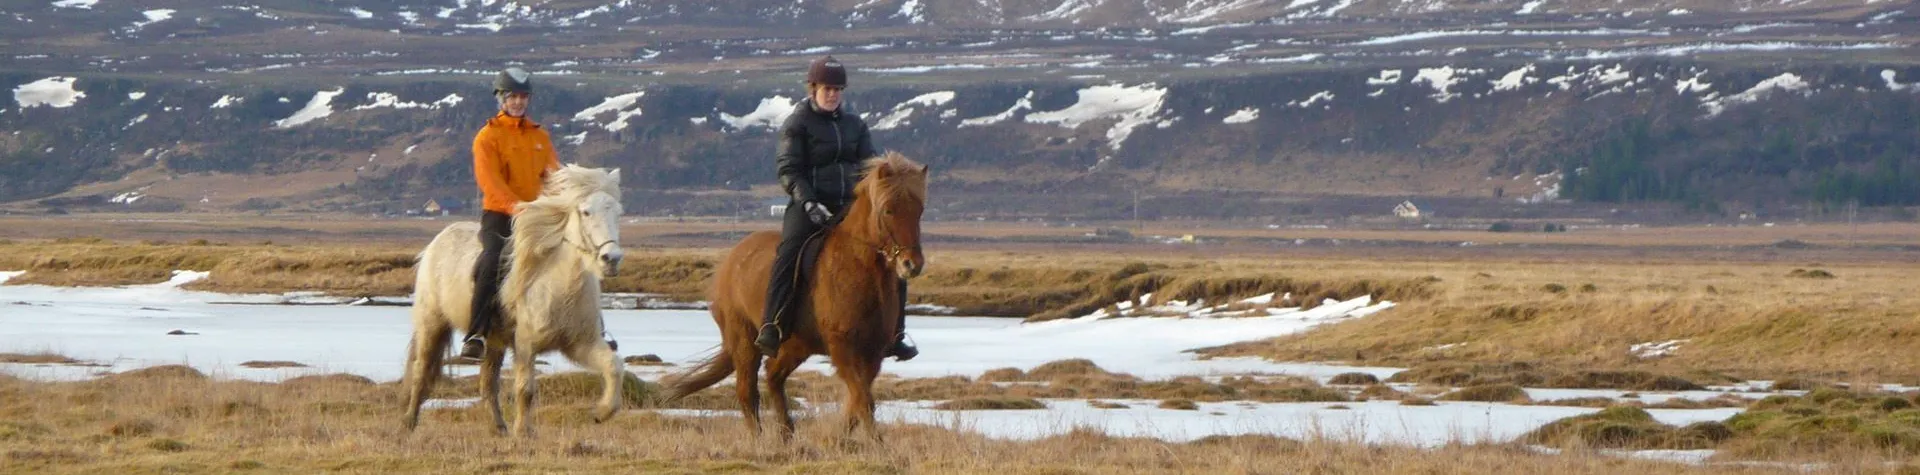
{"type": "Point", "coordinates": [540, 228]}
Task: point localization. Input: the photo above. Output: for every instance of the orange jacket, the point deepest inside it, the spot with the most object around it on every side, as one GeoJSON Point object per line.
{"type": "Point", "coordinates": [511, 157]}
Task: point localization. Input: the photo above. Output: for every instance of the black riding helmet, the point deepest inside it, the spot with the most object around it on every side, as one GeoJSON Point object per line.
{"type": "Point", "coordinates": [513, 80]}
{"type": "Point", "coordinates": [827, 71]}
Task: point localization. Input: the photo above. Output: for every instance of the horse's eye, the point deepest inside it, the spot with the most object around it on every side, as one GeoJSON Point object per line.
{"type": "Point", "coordinates": [587, 213]}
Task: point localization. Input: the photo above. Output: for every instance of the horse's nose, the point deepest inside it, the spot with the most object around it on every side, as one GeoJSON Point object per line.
{"type": "Point", "coordinates": [913, 268]}
{"type": "Point", "coordinates": [612, 260]}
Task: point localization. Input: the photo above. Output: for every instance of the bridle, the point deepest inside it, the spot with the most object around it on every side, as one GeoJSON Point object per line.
{"type": "Point", "coordinates": [581, 242]}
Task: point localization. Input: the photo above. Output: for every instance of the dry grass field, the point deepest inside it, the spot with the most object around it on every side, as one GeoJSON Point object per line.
{"type": "Point", "coordinates": [176, 421]}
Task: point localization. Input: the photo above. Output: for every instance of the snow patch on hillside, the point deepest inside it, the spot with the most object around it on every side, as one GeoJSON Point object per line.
{"type": "Point", "coordinates": [1889, 76]}
{"type": "Point", "coordinates": [55, 92]}
{"type": "Point", "coordinates": [902, 113]}
{"type": "Point", "coordinates": [317, 108]}
{"type": "Point", "coordinates": [1515, 79]}
{"type": "Point", "coordinates": [1310, 101]}
{"type": "Point", "coordinates": [1242, 116]}
{"type": "Point", "coordinates": [387, 99]}
{"type": "Point", "coordinates": [1442, 79]}
{"type": "Point", "coordinates": [1786, 82]}
{"type": "Point", "coordinates": [1025, 103]}
{"type": "Point", "coordinates": [1133, 106]}
{"type": "Point", "coordinates": [770, 114]}
{"type": "Point", "coordinates": [622, 107]}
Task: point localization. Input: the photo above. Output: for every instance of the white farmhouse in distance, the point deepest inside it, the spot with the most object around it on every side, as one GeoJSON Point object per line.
{"type": "Point", "coordinates": [1407, 210]}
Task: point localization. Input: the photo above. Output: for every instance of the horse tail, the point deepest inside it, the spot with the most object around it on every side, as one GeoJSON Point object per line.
{"type": "Point", "coordinates": [700, 377]}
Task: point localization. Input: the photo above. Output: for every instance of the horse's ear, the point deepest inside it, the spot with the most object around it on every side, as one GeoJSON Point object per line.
{"type": "Point", "coordinates": [881, 171]}
{"type": "Point", "coordinates": [924, 170]}
{"type": "Point", "coordinates": [615, 173]}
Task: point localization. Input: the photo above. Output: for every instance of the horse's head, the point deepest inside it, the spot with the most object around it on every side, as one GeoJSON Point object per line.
{"type": "Point", "coordinates": [897, 189]}
{"type": "Point", "coordinates": [592, 213]}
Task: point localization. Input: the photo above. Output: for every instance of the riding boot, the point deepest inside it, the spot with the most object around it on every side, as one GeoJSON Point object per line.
{"type": "Point", "coordinates": [901, 350]}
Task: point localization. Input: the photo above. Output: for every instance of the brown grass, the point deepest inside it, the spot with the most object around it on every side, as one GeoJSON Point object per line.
{"type": "Point", "coordinates": [991, 404]}
{"type": "Point", "coordinates": [196, 425]}
{"type": "Point", "coordinates": [1080, 379]}
{"type": "Point", "coordinates": [1748, 321]}
{"type": "Point", "coordinates": [273, 364]}
{"type": "Point", "coordinates": [37, 358]}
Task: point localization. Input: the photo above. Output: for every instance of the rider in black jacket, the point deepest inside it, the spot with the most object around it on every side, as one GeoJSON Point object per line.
{"type": "Point", "coordinates": [822, 147]}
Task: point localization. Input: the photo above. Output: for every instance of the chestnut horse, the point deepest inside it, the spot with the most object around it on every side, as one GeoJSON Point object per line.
{"type": "Point", "coordinates": [848, 311]}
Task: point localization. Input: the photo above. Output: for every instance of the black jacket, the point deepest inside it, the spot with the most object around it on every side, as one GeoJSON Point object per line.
{"type": "Point", "coordinates": [821, 153]}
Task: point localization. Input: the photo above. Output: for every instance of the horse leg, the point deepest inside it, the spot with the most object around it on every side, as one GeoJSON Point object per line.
{"type": "Point", "coordinates": [857, 371]}
{"type": "Point", "coordinates": [746, 365]}
{"type": "Point", "coordinates": [490, 363]}
{"type": "Point", "coordinates": [524, 388]}
{"type": "Point", "coordinates": [595, 353]}
{"type": "Point", "coordinates": [423, 368]}
{"type": "Point", "coordinates": [778, 370]}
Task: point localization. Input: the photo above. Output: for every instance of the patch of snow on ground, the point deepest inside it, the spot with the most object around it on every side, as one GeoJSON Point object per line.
{"type": "Point", "coordinates": [360, 14]}
{"type": "Point", "coordinates": [136, 120]}
{"type": "Point", "coordinates": [226, 101]}
{"type": "Point", "coordinates": [923, 69]}
{"type": "Point", "coordinates": [1065, 10]}
{"type": "Point", "coordinates": [1195, 12]}
{"type": "Point", "coordinates": [1442, 79]}
{"type": "Point", "coordinates": [1530, 7]}
{"type": "Point", "coordinates": [1132, 105]}
{"type": "Point", "coordinates": [913, 11]}
{"type": "Point", "coordinates": [1242, 116]}
{"type": "Point", "coordinates": [317, 108]}
{"type": "Point", "coordinates": [1889, 75]}
{"type": "Point", "coordinates": [1692, 84]}
{"type": "Point", "coordinates": [1310, 101]}
{"type": "Point", "coordinates": [1386, 77]}
{"type": "Point", "coordinates": [770, 113]}
{"type": "Point", "coordinates": [1783, 82]}
{"type": "Point", "coordinates": [127, 198]}
{"type": "Point", "coordinates": [10, 274]}
{"type": "Point", "coordinates": [136, 95]}
{"type": "Point", "coordinates": [154, 16]}
{"type": "Point", "coordinates": [575, 139]}
{"type": "Point", "coordinates": [1655, 349]}
{"type": "Point", "coordinates": [1025, 103]}
{"type": "Point", "coordinates": [1679, 12]}
{"type": "Point", "coordinates": [1515, 78]}
{"type": "Point", "coordinates": [56, 92]}
{"type": "Point", "coordinates": [622, 106]}
{"type": "Point", "coordinates": [80, 4]}
{"type": "Point", "coordinates": [1716, 47]}
{"type": "Point", "coordinates": [385, 99]}
{"type": "Point", "coordinates": [898, 117]}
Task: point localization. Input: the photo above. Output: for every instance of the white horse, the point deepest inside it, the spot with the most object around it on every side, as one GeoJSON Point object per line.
{"type": "Point", "coordinates": [562, 243]}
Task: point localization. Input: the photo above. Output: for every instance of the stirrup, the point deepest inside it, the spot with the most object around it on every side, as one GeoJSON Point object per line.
{"type": "Point", "coordinates": [474, 347]}
{"type": "Point", "coordinates": [765, 345]}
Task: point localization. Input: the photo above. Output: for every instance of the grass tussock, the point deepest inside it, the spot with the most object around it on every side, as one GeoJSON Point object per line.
{"type": "Point", "coordinates": [1080, 379]}
{"type": "Point", "coordinates": [1180, 404]}
{"type": "Point", "coordinates": [1487, 393]}
{"type": "Point", "coordinates": [1354, 379]}
{"type": "Point", "coordinates": [991, 404]}
{"type": "Point", "coordinates": [1626, 427]}
{"type": "Point", "coordinates": [38, 358]}
{"type": "Point", "coordinates": [272, 364]}
{"type": "Point", "coordinates": [1530, 375]}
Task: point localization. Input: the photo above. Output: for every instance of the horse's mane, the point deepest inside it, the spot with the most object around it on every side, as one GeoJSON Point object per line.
{"type": "Point", "coordinates": [900, 183]}
{"type": "Point", "coordinates": [540, 225]}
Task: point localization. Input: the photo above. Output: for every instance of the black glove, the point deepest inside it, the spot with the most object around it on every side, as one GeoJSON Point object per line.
{"type": "Point", "coordinates": [817, 212]}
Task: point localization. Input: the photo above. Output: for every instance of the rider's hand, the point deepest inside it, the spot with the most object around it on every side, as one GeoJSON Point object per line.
{"type": "Point", "coordinates": [817, 212]}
